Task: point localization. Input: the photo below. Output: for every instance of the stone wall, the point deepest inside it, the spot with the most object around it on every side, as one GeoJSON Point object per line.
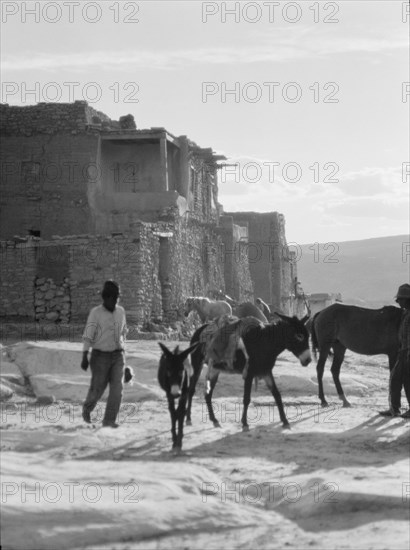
{"type": "Point", "coordinates": [269, 260]}
{"type": "Point", "coordinates": [200, 190]}
{"type": "Point", "coordinates": [17, 276]}
{"type": "Point", "coordinates": [63, 174]}
{"type": "Point", "coordinates": [194, 266]}
{"type": "Point", "coordinates": [45, 184]}
{"type": "Point", "coordinates": [158, 266]}
{"type": "Point", "coordinates": [131, 260]}
{"type": "Point", "coordinates": [52, 301]}
{"type": "Point", "coordinates": [50, 168]}
{"type": "Point", "coordinates": [236, 257]}
{"type": "Point", "coordinates": [242, 285]}
{"type": "Point", "coordinates": [130, 167]}
{"type": "Point", "coordinates": [50, 118]}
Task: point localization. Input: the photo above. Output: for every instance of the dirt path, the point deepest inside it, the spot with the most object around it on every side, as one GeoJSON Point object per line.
{"type": "Point", "coordinates": [338, 479]}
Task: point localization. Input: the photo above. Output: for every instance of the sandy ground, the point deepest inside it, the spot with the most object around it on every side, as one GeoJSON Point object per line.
{"type": "Point", "coordinates": [338, 479]}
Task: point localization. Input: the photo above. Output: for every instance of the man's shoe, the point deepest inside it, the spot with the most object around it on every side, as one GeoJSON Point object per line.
{"type": "Point", "coordinates": [86, 416]}
{"type": "Point", "coordinates": [406, 414]}
{"type": "Point", "coordinates": [128, 374]}
{"type": "Point", "coordinates": [110, 425]}
{"type": "Point", "coordinates": [389, 412]}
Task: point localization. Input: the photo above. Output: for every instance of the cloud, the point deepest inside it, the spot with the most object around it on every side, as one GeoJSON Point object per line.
{"type": "Point", "coordinates": [374, 182]}
{"type": "Point", "coordinates": [373, 195]}
{"type": "Point", "coordinates": [256, 176]}
{"type": "Point", "coordinates": [278, 47]}
{"type": "Point", "coordinates": [364, 207]}
{"type": "Point", "coordinates": [372, 189]}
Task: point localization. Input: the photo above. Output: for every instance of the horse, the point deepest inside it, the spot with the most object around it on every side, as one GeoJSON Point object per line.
{"type": "Point", "coordinates": [263, 344]}
{"type": "Point", "coordinates": [366, 331]}
{"type": "Point", "coordinates": [219, 295]}
{"type": "Point", "coordinates": [173, 377]}
{"type": "Point", "coordinates": [207, 309]}
{"type": "Point", "coordinates": [238, 309]}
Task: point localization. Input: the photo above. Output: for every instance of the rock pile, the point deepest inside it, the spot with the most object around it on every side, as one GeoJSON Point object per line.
{"type": "Point", "coordinates": [52, 302]}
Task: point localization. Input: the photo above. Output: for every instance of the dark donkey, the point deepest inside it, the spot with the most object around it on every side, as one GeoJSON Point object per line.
{"type": "Point", "coordinates": [173, 377]}
{"type": "Point", "coordinates": [263, 344]}
{"type": "Point", "coordinates": [366, 331]}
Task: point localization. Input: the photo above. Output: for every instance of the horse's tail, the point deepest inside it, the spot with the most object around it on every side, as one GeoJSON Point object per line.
{"type": "Point", "coordinates": [315, 344]}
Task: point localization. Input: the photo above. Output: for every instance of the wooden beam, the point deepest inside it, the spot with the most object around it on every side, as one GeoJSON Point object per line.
{"type": "Point", "coordinates": [140, 135]}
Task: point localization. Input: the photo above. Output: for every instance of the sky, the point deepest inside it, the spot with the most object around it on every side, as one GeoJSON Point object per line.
{"type": "Point", "coordinates": [309, 101]}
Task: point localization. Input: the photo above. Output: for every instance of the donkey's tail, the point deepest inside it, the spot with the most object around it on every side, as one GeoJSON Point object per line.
{"type": "Point", "coordinates": [197, 356]}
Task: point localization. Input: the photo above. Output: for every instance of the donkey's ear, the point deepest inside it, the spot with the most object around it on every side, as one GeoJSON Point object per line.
{"type": "Point", "coordinates": [165, 350]}
{"type": "Point", "coordinates": [189, 350]}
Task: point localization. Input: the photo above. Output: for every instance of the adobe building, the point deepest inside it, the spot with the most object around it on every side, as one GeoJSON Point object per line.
{"type": "Point", "coordinates": [272, 265]}
{"type": "Point", "coordinates": [85, 198]}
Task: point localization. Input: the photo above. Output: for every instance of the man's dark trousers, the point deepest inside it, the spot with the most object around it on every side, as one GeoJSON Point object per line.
{"type": "Point", "coordinates": [400, 376]}
{"type": "Point", "coordinates": [106, 368]}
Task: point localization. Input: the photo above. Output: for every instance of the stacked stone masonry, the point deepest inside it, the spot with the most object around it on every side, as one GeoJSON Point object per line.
{"type": "Point", "coordinates": [52, 301]}
{"type": "Point", "coordinates": [158, 266]}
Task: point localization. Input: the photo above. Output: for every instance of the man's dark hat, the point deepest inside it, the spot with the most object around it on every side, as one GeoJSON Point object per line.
{"type": "Point", "coordinates": [404, 291]}
{"type": "Point", "coordinates": [110, 287]}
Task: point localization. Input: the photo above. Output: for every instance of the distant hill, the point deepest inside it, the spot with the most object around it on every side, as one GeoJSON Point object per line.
{"type": "Point", "coordinates": [366, 272]}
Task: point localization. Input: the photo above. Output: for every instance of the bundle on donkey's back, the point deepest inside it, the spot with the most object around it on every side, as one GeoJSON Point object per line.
{"type": "Point", "coordinates": [248, 309]}
{"type": "Point", "coordinates": [222, 341]}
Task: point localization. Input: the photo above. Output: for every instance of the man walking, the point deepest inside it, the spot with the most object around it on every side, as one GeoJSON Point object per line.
{"type": "Point", "coordinates": [105, 333]}
{"type": "Point", "coordinates": [400, 375]}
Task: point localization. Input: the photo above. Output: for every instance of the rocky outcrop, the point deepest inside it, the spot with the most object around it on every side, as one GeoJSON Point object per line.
{"type": "Point", "coordinates": [53, 369]}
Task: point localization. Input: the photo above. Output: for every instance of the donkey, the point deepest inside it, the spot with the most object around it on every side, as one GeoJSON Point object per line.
{"type": "Point", "coordinates": [366, 331]}
{"type": "Point", "coordinates": [263, 344]}
{"type": "Point", "coordinates": [173, 377]}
